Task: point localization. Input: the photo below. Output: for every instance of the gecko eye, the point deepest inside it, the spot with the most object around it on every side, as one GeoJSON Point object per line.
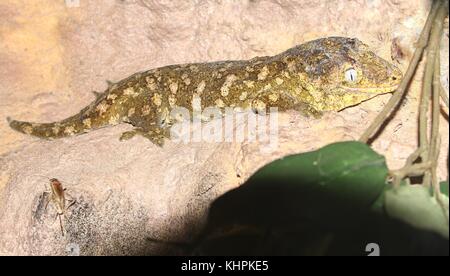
{"type": "Point", "coordinates": [351, 75]}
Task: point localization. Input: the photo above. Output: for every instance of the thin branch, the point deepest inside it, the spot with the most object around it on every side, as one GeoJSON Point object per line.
{"type": "Point", "coordinates": [428, 151]}
{"type": "Point", "coordinates": [435, 136]}
{"type": "Point", "coordinates": [413, 170]}
{"type": "Point", "coordinates": [427, 85]}
{"type": "Point", "coordinates": [409, 171]}
{"type": "Point", "coordinates": [401, 90]}
{"type": "Point", "coordinates": [435, 117]}
{"type": "Point", "coordinates": [413, 157]}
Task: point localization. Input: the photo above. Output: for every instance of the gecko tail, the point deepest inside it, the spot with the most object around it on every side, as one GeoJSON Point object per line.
{"type": "Point", "coordinates": [68, 127]}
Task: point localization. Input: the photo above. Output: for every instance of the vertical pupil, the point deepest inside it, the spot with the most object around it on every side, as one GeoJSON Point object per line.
{"type": "Point", "coordinates": [351, 75]}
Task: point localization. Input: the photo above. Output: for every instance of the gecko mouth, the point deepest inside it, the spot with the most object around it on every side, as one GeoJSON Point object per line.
{"type": "Point", "coordinates": [371, 90]}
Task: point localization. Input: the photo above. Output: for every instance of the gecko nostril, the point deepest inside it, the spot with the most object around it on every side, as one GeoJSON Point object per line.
{"type": "Point", "coordinates": [394, 78]}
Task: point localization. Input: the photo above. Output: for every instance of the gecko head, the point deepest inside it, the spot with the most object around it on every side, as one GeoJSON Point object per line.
{"type": "Point", "coordinates": [344, 72]}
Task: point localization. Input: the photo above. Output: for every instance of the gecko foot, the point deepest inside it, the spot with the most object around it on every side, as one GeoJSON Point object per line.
{"type": "Point", "coordinates": [157, 136]}
{"type": "Point", "coordinates": [127, 135]}
{"type": "Point", "coordinates": [97, 94]}
{"type": "Point", "coordinates": [109, 83]}
{"type": "Point", "coordinates": [307, 110]}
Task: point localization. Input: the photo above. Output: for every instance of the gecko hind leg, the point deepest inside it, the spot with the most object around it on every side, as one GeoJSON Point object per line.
{"type": "Point", "coordinates": [97, 94]}
{"type": "Point", "coordinates": [308, 111]}
{"type": "Point", "coordinates": [156, 135]}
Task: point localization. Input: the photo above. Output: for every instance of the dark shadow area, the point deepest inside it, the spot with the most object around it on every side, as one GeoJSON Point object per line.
{"type": "Point", "coordinates": [326, 202]}
{"type": "Point", "coordinates": [265, 219]}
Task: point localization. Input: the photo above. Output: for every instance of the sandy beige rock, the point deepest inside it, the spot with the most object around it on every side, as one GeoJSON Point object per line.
{"type": "Point", "coordinates": [52, 56]}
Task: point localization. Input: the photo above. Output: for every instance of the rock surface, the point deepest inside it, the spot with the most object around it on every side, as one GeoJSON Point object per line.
{"type": "Point", "coordinates": [52, 54]}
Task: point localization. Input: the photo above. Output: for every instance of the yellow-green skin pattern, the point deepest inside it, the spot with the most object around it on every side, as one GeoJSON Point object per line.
{"type": "Point", "coordinates": [309, 78]}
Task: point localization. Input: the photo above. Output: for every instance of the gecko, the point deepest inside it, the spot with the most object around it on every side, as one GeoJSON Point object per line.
{"type": "Point", "coordinates": [326, 74]}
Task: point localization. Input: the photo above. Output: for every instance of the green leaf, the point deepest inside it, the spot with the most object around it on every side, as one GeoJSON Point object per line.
{"type": "Point", "coordinates": [414, 205]}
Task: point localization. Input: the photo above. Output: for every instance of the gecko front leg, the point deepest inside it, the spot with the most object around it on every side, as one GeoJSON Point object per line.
{"type": "Point", "coordinates": [155, 134]}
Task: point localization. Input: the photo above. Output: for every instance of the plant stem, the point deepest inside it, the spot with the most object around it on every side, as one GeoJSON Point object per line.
{"type": "Point", "coordinates": [402, 88]}
{"type": "Point", "coordinates": [429, 77]}
{"type": "Point", "coordinates": [435, 138]}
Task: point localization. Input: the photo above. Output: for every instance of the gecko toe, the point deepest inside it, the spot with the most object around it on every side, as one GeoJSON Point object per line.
{"type": "Point", "coordinates": [127, 135]}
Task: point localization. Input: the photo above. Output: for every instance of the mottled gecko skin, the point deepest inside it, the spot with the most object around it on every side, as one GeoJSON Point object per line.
{"type": "Point", "coordinates": [321, 75]}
